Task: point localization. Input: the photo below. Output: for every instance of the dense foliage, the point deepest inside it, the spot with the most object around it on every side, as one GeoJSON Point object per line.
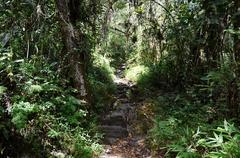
{"type": "Point", "coordinates": [41, 113]}
{"type": "Point", "coordinates": [57, 64]}
{"type": "Point", "coordinates": [184, 56]}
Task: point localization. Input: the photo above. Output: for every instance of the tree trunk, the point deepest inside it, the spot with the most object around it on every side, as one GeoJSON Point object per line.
{"type": "Point", "coordinates": [232, 99]}
{"type": "Point", "coordinates": [195, 51]}
{"type": "Point", "coordinates": [236, 25]}
{"type": "Point", "coordinates": [215, 28]}
{"type": "Point", "coordinates": [233, 92]}
{"type": "Point", "coordinates": [73, 57]}
{"type": "Point", "coordinates": [106, 20]}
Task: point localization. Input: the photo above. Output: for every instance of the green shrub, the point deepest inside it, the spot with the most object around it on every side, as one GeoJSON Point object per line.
{"type": "Point", "coordinates": [178, 115]}
{"type": "Point", "coordinates": [135, 72]}
{"type": "Point", "coordinates": [100, 77]}
{"type": "Point", "coordinates": [48, 116]}
{"type": "Point", "coordinates": [221, 142]}
{"type": "Point", "coordinates": [21, 112]}
{"type": "Point", "coordinates": [156, 76]}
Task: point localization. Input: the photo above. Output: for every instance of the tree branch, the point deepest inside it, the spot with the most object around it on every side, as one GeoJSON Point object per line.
{"type": "Point", "coordinates": [163, 8]}
{"type": "Point", "coordinates": [118, 30]}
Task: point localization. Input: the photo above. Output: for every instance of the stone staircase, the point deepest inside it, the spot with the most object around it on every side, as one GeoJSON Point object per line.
{"type": "Point", "coordinates": [120, 140]}
{"type": "Point", "coordinates": [115, 124]}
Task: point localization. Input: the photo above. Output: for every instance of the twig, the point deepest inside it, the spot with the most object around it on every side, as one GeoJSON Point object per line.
{"type": "Point", "coordinates": [163, 8]}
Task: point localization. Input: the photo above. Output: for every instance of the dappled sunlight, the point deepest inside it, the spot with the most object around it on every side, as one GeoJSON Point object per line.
{"type": "Point", "coordinates": [120, 79]}
{"type": "Point", "coordinates": [133, 73]}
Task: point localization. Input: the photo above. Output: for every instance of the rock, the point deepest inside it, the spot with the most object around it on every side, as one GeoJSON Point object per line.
{"type": "Point", "coordinates": [58, 154]}
{"type": "Point", "coordinates": [109, 141]}
{"type": "Point", "coordinates": [124, 100]}
{"type": "Point", "coordinates": [114, 131]}
{"type": "Point", "coordinates": [118, 121]}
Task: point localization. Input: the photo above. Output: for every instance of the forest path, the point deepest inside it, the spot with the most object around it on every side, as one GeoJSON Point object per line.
{"type": "Point", "coordinates": [119, 139]}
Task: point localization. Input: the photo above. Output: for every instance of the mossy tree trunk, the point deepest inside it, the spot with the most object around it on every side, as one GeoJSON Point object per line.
{"type": "Point", "coordinates": [74, 55]}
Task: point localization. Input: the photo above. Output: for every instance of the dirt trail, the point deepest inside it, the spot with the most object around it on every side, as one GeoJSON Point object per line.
{"type": "Point", "coordinates": [120, 140]}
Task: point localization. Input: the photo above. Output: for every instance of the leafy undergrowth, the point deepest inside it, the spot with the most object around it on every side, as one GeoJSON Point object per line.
{"type": "Point", "coordinates": [176, 120]}
{"type": "Point", "coordinates": [186, 120]}
{"type": "Point", "coordinates": [45, 113]}
{"type": "Point", "coordinates": [134, 72]}
{"type": "Point", "coordinates": [100, 77]}
{"type": "Point", "coordinates": [183, 128]}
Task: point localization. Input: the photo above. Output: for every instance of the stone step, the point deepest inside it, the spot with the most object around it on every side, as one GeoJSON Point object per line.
{"type": "Point", "coordinates": [114, 131]}
{"type": "Point", "coordinates": [109, 122]}
{"type": "Point", "coordinates": [123, 87]}
{"type": "Point", "coordinates": [121, 95]}
{"type": "Point", "coordinates": [116, 115]}
{"type": "Point", "coordinates": [109, 141]}
{"type": "Point", "coordinates": [123, 100]}
{"type": "Point", "coordinates": [116, 118]}
{"type": "Point", "coordinates": [123, 83]}
{"type": "Point", "coordinates": [125, 107]}
{"type": "Point", "coordinates": [121, 91]}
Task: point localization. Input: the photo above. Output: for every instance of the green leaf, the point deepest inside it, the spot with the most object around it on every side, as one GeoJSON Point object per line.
{"type": "Point", "coordinates": [232, 31]}
{"type": "Point", "coordinates": [53, 134]}
{"type": "Point", "coordinates": [35, 88]}
{"type": "Point", "coordinates": [2, 89]}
